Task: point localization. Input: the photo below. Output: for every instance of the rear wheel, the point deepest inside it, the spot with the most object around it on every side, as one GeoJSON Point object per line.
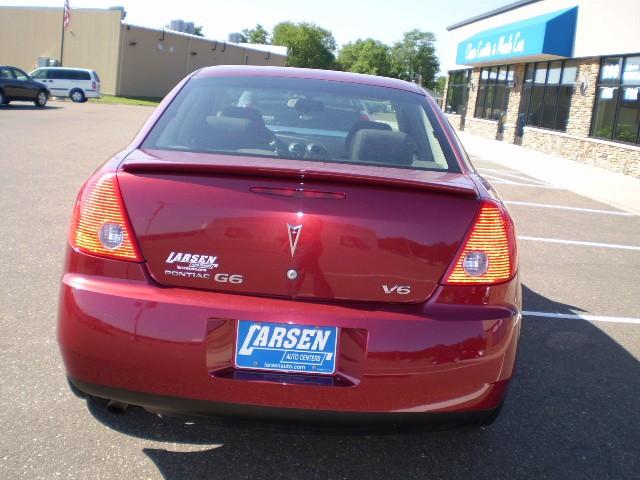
{"type": "Point", "coordinates": [3, 99]}
{"type": "Point", "coordinates": [77, 96]}
{"type": "Point", "coordinates": [41, 99]}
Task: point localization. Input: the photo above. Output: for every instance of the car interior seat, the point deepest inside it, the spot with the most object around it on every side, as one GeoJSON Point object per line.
{"type": "Point", "coordinates": [383, 146]}
{"type": "Point", "coordinates": [362, 125]}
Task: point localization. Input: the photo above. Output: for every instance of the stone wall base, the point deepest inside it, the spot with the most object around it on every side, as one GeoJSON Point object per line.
{"type": "Point", "coordinates": [612, 156]}
{"type": "Point", "coordinates": [481, 127]}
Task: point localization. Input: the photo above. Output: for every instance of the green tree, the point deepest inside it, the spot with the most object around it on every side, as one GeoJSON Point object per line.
{"type": "Point", "coordinates": [366, 56]}
{"type": "Point", "coordinates": [242, 38]}
{"type": "Point", "coordinates": [414, 58]}
{"type": "Point", "coordinates": [258, 34]}
{"type": "Point", "coordinates": [198, 31]}
{"type": "Point", "coordinates": [309, 45]}
{"type": "Point", "coordinates": [441, 81]}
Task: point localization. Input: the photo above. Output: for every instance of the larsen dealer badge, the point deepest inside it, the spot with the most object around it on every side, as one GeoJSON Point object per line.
{"type": "Point", "coordinates": [189, 261]}
{"type": "Point", "coordinates": [190, 265]}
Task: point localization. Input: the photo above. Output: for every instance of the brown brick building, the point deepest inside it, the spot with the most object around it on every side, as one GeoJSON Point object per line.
{"type": "Point", "coordinates": [559, 76]}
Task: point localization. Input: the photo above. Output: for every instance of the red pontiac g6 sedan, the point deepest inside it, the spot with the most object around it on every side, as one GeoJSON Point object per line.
{"type": "Point", "coordinates": [292, 243]}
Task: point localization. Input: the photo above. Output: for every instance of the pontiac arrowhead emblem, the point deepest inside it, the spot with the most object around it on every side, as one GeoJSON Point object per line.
{"type": "Point", "coordinates": [294, 236]}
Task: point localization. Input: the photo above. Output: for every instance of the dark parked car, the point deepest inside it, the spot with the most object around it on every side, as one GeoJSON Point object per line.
{"type": "Point", "coordinates": [17, 85]}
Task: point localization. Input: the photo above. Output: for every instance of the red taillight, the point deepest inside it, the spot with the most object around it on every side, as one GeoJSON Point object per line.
{"type": "Point", "coordinates": [489, 253]}
{"type": "Point", "coordinates": [99, 225]}
{"type": "Point", "coordinates": [93, 85]}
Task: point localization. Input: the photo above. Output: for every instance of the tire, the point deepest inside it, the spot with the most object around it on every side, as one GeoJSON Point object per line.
{"type": "Point", "coordinates": [3, 99]}
{"type": "Point", "coordinates": [41, 99]}
{"type": "Point", "coordinates": [77, 96]}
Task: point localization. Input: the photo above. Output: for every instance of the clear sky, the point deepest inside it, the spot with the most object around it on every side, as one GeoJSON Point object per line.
{"type": "Point", "coordinates": [348, 20]}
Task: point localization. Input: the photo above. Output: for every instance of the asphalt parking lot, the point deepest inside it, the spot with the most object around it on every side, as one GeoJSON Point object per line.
{"type": "Point", "coordinates": [573, 408]}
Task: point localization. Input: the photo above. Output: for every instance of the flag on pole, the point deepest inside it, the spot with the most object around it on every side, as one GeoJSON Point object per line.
{"type": "Point", "coordinates": [66, 16]}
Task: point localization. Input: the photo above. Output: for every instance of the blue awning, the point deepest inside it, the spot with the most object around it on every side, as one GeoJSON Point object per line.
{"type": "Point", "coordinates": [544, 37]}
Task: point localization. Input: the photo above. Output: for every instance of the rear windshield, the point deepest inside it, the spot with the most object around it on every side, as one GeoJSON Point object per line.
{"type": "Point", "coordinates": [303, 119]}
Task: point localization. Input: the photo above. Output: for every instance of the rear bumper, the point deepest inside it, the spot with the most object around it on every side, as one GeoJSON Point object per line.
{"type": "Point", "coordinates": [172, 349]}
{"type": "Point", "coordinates": [166, 405]}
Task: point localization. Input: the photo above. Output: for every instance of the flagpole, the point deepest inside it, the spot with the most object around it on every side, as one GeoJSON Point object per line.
{"type": "Point", "coordinates": [62, 37]}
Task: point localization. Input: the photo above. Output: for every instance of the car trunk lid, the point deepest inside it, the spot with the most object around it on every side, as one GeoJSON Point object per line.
{"type": "Point", "coordinates": [308, 230]}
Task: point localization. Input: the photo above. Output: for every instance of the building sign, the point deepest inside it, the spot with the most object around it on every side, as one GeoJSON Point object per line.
{"type": "Point", "coordinates": [611, 71]}
{"type": "Point", "coordinates": [546, 36]}
{"type": "Point", "coordinates": [631, 71]}
{"type": "Point", "coordinates": [631, 94]}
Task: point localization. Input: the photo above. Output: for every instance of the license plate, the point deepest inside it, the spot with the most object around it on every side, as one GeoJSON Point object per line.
{"type": "Point", "coordinates": [286, 348]}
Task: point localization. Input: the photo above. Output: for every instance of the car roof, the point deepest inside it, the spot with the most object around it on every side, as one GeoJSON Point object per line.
{"type": "Point", "coordinates": [307, 73]}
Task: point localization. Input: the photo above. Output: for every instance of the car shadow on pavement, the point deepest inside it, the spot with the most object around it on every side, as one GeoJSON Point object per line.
{"type": "Point", "coordinates": [572, 412]}
{"type": "Point", "coordinates": [26, 106]}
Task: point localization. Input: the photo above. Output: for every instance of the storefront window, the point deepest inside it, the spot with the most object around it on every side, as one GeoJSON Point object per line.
{"type": "Point", "coordinates": [617, 110]}
{"type": "Point", "coordinates": [493, 92]}
{"type": "Point", "coordinates": [458, 92]}
{"type": "Point", "coordinates": [546, 95]}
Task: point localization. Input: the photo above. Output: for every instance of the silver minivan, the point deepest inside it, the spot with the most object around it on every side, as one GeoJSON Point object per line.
{"type": "Point", "coordinates": [78, 84]}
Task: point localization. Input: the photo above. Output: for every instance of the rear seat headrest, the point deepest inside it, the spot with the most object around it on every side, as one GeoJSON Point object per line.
{"type": "Point", "coordinates": [362, 125]}
{"type": "Point", "coordinates": [243, 112]}
{"type": "Point", "coordinates": [231, 133]}
{"type": "Point", "coordinates": [383, 146]}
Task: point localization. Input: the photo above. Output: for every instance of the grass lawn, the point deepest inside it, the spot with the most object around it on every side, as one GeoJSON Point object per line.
{"type": "Point", "coordinates": [146, 101]}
